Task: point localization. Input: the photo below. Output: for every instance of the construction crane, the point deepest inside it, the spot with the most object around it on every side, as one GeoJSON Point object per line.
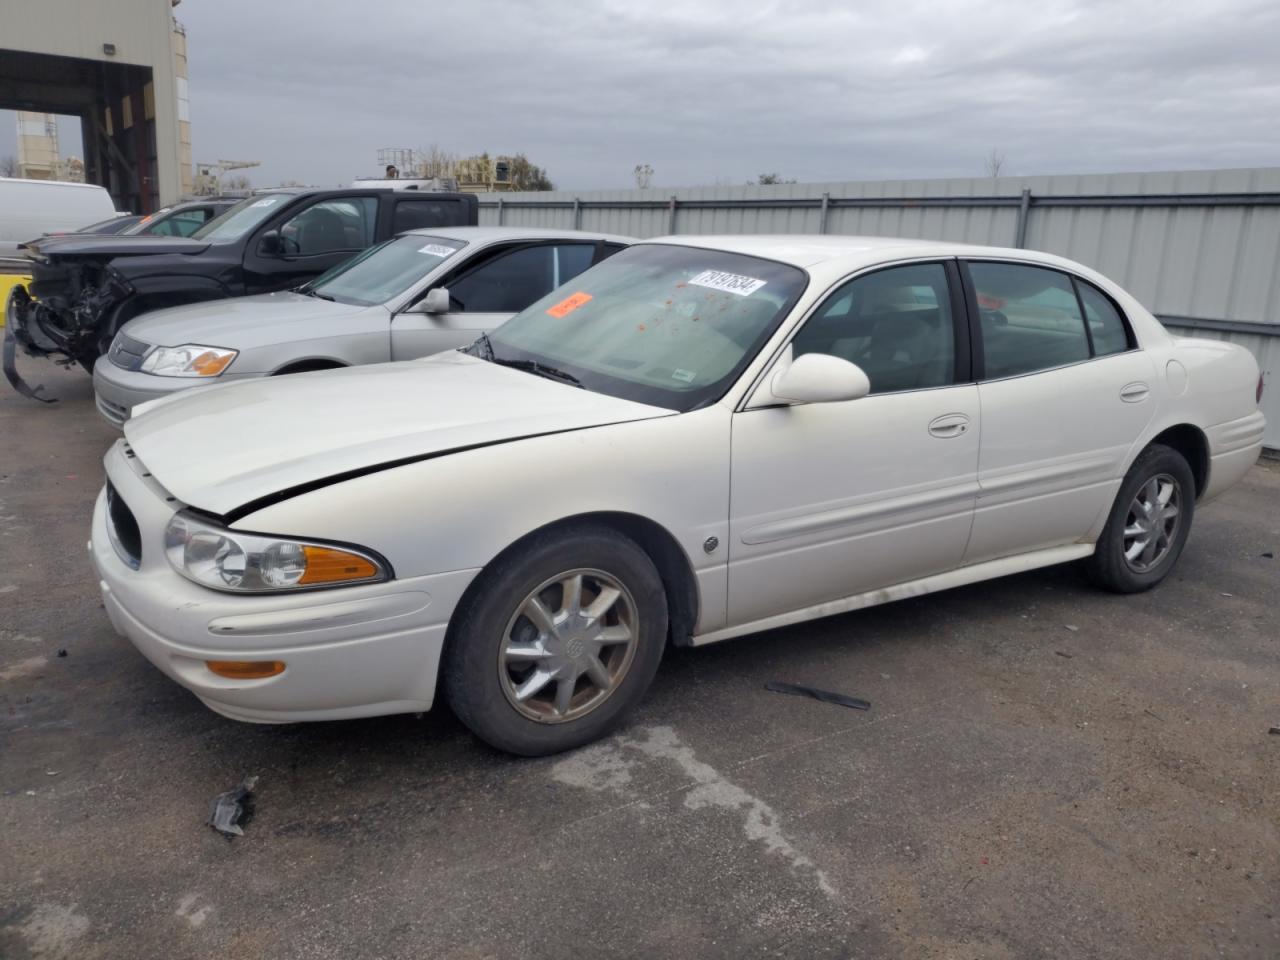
{"type": "Point", "coordinates": [208, 181]}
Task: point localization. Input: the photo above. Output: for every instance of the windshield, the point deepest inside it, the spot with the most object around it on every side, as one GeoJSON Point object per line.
{"type": "Point", "coordinates": [667, 325]}
{"type": "Point", "coordinates": [384, 271]}
{"type": "Point", "coordinates": [240, 219]}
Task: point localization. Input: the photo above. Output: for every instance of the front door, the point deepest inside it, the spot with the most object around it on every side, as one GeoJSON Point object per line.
{"type": "Point", "coordinates": [834, 499]}
{"type": "Point", "coordinates": [321, 235]}
{"type": "Point", "coordinates": [1062, 401]}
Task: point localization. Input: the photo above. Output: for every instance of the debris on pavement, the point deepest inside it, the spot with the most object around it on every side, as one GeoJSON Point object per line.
{"type": "Point", "coordinates": [1063, 654]}
{"type": "Point", "coordinates": [231, 811]}
{"type": "Point", "coordinates": [62, 651]}
{"type": "Point", "coordinates": [1275, 730]}
{"type": "Point", "coordinates": [1072, 627]}
{"type": "Point", "coordinates": [826, 696]}
{"type": "Point", "coordinates": [1228, 594]}
{"type": "Point", "coordinates": [1268, 555]}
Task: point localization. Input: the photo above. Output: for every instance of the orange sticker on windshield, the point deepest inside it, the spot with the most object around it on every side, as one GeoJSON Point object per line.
{"type": "Point", "coordinates": [569, 304]}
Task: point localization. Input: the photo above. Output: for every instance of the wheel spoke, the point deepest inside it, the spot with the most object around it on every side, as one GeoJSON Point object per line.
{"type": "Point", "coordinates": [618, 633]}
{"type": "Point", "coordinates": [1165, 493]}
{"type": "Point", "coordinates": [603, 602]}
{"type": "Point", "coordinates": [525, 651]}
{"type": "Point", "coordinates": [564, 695]}
{"type": "Point", "coordinates": [598, 673]}
{"type": "Point", "coordinates": [1134, 530]}
{"type": "Point", "coordinates": [1149, 550]}
{"type": "Point", "coordinates": [571, 602]}
{"type": "Point", "coordinates": [1135, 549]}
{"type": "Point", "coordinates": [536, 681]}
{"type": "Point", "coordinates": [539, 615]}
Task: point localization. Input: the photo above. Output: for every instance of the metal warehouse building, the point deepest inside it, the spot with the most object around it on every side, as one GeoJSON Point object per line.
{"type": "Point", "coordinates": [120, 66]}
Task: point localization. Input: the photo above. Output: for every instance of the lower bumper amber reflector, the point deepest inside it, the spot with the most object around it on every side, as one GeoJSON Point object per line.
{"type": "Point", "coordinates": [245, 669]}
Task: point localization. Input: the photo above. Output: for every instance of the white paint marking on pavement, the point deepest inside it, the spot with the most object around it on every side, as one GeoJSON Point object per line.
{"type": "Point", "coordinates": [188, 912]}
{"type": "Point", "coordinates": [53, 931]}
{"type": "Point", "coordinates": [23, 668]}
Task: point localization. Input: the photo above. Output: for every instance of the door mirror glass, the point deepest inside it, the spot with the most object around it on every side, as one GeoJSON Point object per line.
{"type": "Point", "coordinates": [270, 245]}
{"type": "Point", "coordinates": [436, 301]}
{"type": "Point", "coordinates": [819, 378]}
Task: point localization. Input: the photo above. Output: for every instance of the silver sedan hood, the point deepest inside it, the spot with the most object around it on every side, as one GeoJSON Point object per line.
{"type": "Point", "coordinates": [240, 323]}
{"type": "Point", "coordinates": [222, 447]}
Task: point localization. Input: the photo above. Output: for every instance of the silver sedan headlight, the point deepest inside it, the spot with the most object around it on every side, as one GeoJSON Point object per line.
{"type": "Point", "coordinates": [225, 559]}
{"type": "Point", "coordinates": [188, 360]}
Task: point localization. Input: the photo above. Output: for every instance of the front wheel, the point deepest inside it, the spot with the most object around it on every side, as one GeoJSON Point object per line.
{"type": "Point", "coordinates": [1148, 525]}
{"type": "Point", "coordinates": [558, 641]}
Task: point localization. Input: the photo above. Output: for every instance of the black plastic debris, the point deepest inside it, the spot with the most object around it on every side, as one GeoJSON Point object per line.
{"type": "Point", "coordinates": [1269, 555]}
{"type": "Point", "coordinates": [62, 652]}
{"type": "Point", "coordinates": [230, 812]}
{"type": "Point", "coordinates": [1062, 653]}
{"type": "Point", "coordinates": [1275, 730]}
{"type": "Point", "coordinates": [826, 696]}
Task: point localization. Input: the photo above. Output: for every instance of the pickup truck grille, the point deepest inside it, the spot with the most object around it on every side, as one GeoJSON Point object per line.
{"type": "Point", "coordinates": [127, 352]}
{"type": "Point", "coordinates": [122, 527]}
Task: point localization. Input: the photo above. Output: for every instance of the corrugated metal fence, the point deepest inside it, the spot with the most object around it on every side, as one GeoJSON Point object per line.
{"type": "Point", "coordinates": [1201, 249]}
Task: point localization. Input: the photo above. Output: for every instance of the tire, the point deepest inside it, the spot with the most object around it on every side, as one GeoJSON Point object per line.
{"type": "Point", "coordinates": [1109, 567]}
{"type": "Point", "coordinates": [497, 650]}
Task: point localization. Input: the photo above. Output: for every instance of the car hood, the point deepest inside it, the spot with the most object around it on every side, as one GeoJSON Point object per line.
{"type": "Point", "coordinates": [220, 448]}
{"type": "Point", "coordinates": [109, 247]}
{"type": "Point", "coordinates": [236, 322]}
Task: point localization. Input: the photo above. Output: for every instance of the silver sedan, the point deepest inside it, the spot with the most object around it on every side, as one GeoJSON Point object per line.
{"type": "Point", "coordinates": [417, 294]}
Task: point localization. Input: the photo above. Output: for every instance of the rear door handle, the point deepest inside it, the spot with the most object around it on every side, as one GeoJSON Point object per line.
{"type": "Point", "coordinates": [949, 425]}
{"type": "Point", "coordinates": [1134, 392]}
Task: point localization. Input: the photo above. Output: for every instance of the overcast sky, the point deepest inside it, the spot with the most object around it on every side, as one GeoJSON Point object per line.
{"type": "Point", "coordinates": [718, 91]}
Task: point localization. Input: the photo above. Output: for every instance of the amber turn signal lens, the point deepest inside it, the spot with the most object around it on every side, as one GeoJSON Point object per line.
{"type": "Point", "coordinates": [245, 669]}
{"type": "Point", "coordinates": [326, 565]}
{"type": "Point", "coordinates": [210, 364]}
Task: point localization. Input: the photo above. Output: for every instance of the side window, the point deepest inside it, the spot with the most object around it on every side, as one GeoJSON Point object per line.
{"type": "Point", "coordinates": [331, 226]}
{"type": "Point", "coordinates": [506, 284]}
{"type": "Point", "coordinates": [186, 223]}
{"type": "Point", "coordinates": [1030, 319]}
{"type": "Point", "coordinates": [895, 324]}
{"type": "Point", "coordinates": [415, 214]}
{"type": "Point", "coordinates": [571, 260]}
{"type": "Point", "coordinates": [1106, 326]}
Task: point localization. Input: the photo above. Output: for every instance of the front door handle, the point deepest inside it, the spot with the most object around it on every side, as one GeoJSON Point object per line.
{"type": "Point", "coordinates": [1134, 392]}
{"type": "Point", "coordinates": [949, 425]}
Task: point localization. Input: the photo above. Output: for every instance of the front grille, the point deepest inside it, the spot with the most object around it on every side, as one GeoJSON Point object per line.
{"type": "Point", "coordinates": [127, 352]}
{"type": "Point", "coordinates": [126, 538]}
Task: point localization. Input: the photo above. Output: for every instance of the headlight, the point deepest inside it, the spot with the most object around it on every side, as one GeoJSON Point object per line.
{"type": "Point", "coordinates": [189, 360]}
{"type": "Point", "coordinates": [244, 562]}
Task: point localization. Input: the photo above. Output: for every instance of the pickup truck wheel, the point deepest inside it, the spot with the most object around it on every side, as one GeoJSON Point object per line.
{"type": "Point", "coordinates": [558, 641]}
{"type": "Point", "coordinates": [1148, 525]}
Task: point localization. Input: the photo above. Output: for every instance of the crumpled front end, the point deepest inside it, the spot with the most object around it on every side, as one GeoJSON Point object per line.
{"type": "Point", "coordinates": [64, 316]}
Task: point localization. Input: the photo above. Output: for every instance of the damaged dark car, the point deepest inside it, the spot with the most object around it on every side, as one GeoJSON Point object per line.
{"type": "Point", "coordinates": [85, 288]}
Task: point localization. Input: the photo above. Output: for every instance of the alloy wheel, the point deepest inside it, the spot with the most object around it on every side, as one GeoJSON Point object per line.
{"type": "Point", "coordinates": [1152, 523]}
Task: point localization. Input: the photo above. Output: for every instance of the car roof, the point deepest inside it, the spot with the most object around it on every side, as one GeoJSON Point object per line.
{"type": "Point", "coordinates": [494, 234]}
{"type": "Point", "coordinates": [850, 252]}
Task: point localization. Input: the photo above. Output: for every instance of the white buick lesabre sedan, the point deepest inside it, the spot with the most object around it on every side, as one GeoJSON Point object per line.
{"type": "Point", "coordinates": [698, 438]}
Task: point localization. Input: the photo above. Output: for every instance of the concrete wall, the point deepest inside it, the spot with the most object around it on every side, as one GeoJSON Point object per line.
{"type": "Point", "coordinates": [141, 32]}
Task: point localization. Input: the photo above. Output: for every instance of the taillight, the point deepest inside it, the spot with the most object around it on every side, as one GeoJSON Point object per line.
{"type": "Point", "coordinates": [1258, 394]}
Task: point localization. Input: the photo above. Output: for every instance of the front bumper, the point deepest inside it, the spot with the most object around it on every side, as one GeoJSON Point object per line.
{"type": "Point", "coordinates": [349, 652]}
{"type": "Point", "coordinates": [117, 391]}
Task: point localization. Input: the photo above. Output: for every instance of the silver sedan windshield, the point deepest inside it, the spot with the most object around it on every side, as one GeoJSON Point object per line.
{"type": "Point", "coordinates": [384, 271]}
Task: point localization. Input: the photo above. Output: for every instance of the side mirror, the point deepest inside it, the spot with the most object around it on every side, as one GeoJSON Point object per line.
{"type": "Point", "coordinates": [270, 245]}
{"type": "Point", "coordinates": [818, 378]}
{"type": "Point", "coordinates": [436, 301]}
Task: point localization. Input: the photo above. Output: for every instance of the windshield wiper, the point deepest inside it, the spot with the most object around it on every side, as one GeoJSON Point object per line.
{"type": "Point", "coordinates": [541, 370]}
{"type": "Point", "coordinates": [311, 292]}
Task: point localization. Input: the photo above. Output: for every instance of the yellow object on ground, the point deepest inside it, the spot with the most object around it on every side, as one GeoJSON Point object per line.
{"type": "Point", "coordinates": [7, 282]}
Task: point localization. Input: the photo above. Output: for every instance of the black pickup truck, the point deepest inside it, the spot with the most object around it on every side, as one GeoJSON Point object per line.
{"type": "Point", "coordinates": [84, 288]}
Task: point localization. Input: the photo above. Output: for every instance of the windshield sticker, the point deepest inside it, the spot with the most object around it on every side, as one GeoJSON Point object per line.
{"type": "Point", "coordinates": [266, 202]}
{"type": "Point", "coordinates": [728, 282]}
{"type": "Point", "coordinates": [684, 375]}
{"type": "Point", "coordinates": [568, 304]}
{"type": "Point", "coordinates": [437, 250]}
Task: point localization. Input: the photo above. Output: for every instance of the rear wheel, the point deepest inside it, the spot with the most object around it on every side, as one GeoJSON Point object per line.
{"type": "Point", "coordinates": [1148, 525]}
{"type": "Point", "coordinates": [558, 641]}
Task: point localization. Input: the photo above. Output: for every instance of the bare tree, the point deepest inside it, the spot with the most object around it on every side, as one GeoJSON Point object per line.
{"type": "Point", "coordinates": [643, 174]}
{"type": "Point", "coordinates": [435, 162]}
{"type": "Point", "coordinates": [238, 182]}
{"type": "Point", "coordinates": [8, 166]}
{"type": "Point", "coordinates": [769, 179]}
{"type": "Point", "coordinates": [994, 161]}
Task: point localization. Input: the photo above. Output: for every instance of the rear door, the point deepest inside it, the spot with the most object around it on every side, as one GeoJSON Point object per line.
{"type": "Point", "coordinates": [1062, 403]}
{"type": "Point", "coordinates": [486, 291]}
{"type": "Point", "coordinates": [308, 240]}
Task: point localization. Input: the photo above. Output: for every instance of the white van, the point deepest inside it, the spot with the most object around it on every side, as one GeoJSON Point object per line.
{"type": "Point", "coordinates": [31, 208]}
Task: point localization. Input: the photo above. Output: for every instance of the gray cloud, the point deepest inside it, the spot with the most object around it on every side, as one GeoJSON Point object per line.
{"type": "Point", "coordinates": [711, 90]}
